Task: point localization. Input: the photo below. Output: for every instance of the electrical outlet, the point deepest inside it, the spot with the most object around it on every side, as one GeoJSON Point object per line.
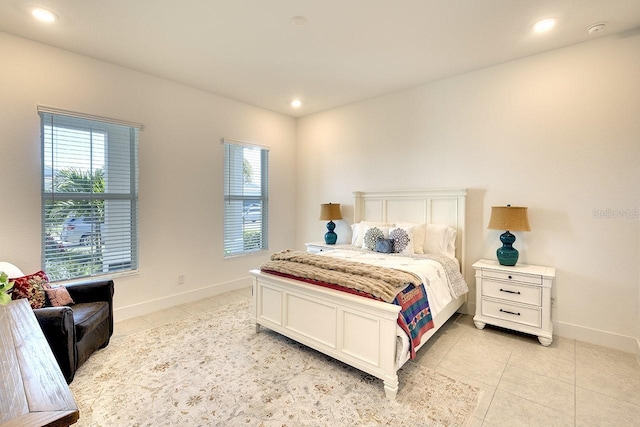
{"type": "Point", "coordinates": [181, 279]}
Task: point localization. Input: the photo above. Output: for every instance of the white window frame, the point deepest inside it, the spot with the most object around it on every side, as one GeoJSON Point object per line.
{"type": "Point", "coordinates": [113, 246]}
{"type": "Point", "coordinates": [243, 236]}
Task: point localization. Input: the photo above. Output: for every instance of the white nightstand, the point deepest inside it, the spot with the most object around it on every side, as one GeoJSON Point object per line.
{"type": "Point", "coordinates": [315, 247]}
{"type": "Point", "coordinates": [517, 298]}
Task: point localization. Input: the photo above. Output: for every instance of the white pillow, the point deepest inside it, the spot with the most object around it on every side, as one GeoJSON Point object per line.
{"type": "Point", "coordinates": [383, 231]}
{"type": "Point", "coordinates": [358, 231]}
{"type": "Point", "coordinates": [403, 240]}
{"type": "Point", "coordinates": [440, 239]}
{"type": "Point", "coordinates": [419, 231]}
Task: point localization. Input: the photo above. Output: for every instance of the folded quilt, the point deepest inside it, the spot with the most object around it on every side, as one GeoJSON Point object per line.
{"type": "Point", "coordinates": [415, 317]}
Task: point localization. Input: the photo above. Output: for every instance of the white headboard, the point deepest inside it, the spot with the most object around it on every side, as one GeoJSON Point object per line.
{"type": "Point", "coordinates": [429, 206]}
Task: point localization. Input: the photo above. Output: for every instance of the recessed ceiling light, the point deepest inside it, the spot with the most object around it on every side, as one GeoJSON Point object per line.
{"type": "Point", "coordinates": [43, 15]}
{"type": "Point", "coordinates": [544, 25]}
{"type": "Point", "coordinates": [299, 21]}
{"type": "Point", "coordinates": [296, 103]}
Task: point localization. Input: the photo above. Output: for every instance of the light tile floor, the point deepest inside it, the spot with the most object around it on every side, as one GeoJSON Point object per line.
{"type": "Point", "coordinates": [521, 383]}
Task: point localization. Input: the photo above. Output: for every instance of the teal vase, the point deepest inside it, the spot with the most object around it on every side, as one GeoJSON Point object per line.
{"type": "Point", "coordinates": [330, 237]}
{"type": "Point", "coordinates": [507, 254]}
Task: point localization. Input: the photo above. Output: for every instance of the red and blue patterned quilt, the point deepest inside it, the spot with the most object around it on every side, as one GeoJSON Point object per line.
{"type": "Point", "coordinates": [415, 317]}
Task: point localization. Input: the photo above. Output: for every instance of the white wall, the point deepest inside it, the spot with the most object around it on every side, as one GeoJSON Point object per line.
{"type": "Point", "coordinates": [566, 120]}
{"type": "Point", "coordinates": [180, 169]}
{"type": "Point", "coordinates": [557, 132]}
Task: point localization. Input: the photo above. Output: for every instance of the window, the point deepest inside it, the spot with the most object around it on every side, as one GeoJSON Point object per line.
{"type": "Point", "coordinates": [89, 195]}
{"type": "Point", "coordinates": [246, 198]}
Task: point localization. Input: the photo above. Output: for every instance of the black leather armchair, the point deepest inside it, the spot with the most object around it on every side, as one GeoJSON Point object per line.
{"type": "Point", "coordinates": [75, 332]}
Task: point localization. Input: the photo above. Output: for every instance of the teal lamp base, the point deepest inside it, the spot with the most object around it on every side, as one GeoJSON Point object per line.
{"type": "Point", "coordinates": [330, 237]}
{"type": "Point", "coordinates": [507, 254]}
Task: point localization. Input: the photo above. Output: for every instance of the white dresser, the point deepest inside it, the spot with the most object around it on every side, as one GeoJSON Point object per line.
{"type": "Point", "coordinates": [517, 298]}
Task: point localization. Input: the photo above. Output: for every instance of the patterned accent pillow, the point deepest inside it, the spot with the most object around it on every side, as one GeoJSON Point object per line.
{"type": "Point", "coordinates": [32, 288]}
{"type": "Point", "coordinates": [58, 296]}
{"type": "Point", "coordinates": [416, 233]}
{"type": "Point", "coordinates": [401, 240]}
{"type": "Point", "coordinates": [371, 237]}
{"type": "Point", "coordinates": [360, 228]}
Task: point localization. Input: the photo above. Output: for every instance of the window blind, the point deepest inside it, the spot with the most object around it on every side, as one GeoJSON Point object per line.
{"type": "Point", "coordinates": [246, 198]}
{"type": "Point", "coordinates": [89, 195]}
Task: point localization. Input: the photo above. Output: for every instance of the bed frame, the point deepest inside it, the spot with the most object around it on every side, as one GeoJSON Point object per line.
{"type": "Point", "coordinates": [358, 331]}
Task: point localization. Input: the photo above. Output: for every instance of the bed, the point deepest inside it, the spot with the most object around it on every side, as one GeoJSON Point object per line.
{"type": "Point", "coordinates": [361, 332]}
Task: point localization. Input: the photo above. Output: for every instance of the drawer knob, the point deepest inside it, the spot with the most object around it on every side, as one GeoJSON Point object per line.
{"type": "Point", "coordinates": [509, 312]}
{"type": "Point", "coordinates": [510, 292]}
{"type": "Point", "coordinates": [510, 277]}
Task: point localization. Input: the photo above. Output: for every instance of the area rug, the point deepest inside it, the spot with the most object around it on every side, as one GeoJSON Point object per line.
{"type": "Point", "coordinates": [213, 369]}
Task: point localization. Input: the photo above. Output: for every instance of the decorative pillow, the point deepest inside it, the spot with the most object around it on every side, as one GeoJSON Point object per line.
{"type": "Point", "coordinates": [440, 239]}
{"type": "Point", "coordinates": [58, 296]}
{"type": "Point", "coordinates": [419, 231]}
{"type": "Point", "coordinates": [360, 228]}
{"type": "Point", "coordinates": [32, 288]}
{"type": "Point", "coordinates": [371, 237]}
{"type": "Point", "coordinates": [402, 240]}
{"type": "Point", "coordinates": [384, 246]}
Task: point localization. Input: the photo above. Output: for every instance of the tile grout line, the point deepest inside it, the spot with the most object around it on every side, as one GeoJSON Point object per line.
{"type": "Point", "coordinates": [445, 355]}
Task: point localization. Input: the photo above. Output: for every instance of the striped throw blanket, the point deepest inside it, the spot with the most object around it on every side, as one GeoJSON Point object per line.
{"type": "Point", "coordinates": [415, 317]}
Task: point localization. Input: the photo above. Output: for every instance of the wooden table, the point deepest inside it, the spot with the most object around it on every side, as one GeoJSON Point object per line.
{"type": "Point", "coordinates": [33, 391]}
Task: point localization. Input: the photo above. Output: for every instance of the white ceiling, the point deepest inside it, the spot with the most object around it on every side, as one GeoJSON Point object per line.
{"type": "Point", "coordinates": [348, 50]}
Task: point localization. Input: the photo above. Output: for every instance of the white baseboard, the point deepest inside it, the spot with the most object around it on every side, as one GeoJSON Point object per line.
{"type": "Point", "coordinates": [595, 336]}
{"type": "Point", "coordinates": [146, 307]}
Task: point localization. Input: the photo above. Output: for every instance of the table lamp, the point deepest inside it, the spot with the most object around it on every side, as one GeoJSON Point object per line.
{"type": "Point", "coordinates": [330, 211]}
{"type": "Point", "coordinates": [510, 218]}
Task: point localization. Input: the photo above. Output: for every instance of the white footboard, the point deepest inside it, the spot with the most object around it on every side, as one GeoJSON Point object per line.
{"type": "Point", "coordinates": [358, 331]}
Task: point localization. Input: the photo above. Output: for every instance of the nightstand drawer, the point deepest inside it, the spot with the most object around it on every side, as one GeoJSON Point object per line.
{"type": "Point", "coordinates": [512, 291]}
{"type": "Point", "coordinates": [515, 277]}
{"type": "Point", "coordinates": [512, 312]}
{"type": "Point", "coordinates": [315, 249]}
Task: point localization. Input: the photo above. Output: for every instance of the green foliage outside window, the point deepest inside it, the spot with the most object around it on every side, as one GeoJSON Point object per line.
{"type": "Point", "coordinates": [64, 261]}
{"type": "Point", "coordinates": [252, 240]}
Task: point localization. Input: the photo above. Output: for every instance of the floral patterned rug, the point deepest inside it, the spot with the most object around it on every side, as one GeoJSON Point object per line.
{"type": "Point", "coordinates": [213, 369]}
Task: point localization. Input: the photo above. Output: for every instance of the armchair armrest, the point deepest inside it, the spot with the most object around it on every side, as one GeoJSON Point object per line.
{"type": "Point", "coordinates": [101, 290]}
{"type": "Point", "coordinates": [58, 328]}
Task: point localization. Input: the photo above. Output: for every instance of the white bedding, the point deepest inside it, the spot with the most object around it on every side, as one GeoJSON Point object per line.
{"type": "Point", "coordinates": [431, 273]}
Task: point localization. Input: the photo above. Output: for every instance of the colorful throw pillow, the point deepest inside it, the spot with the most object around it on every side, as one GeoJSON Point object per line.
{"type": "Point", "coordinates": [58, 296]}
{"type": "Point", "coordinates": [32, 288]}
